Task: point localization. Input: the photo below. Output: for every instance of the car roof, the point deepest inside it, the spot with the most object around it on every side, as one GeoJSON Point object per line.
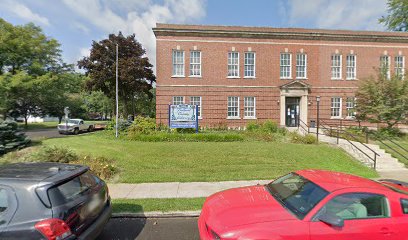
{"type": "Point", "coordinates": [332, 181]}
{"type": "Point", "coordinates": [37, 172]}
{"type": "Point", "coordinates": [76, 119]}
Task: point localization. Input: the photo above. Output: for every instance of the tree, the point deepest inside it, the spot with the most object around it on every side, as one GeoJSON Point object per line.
{"type": "Point", "coordinates": [97, 103]}
{"type": "Point", "coordinates": [135, 71]}
{"type": "Point", "coordinates": [27, 48]}
{"type": "Point", "coordinates": [383, 100]}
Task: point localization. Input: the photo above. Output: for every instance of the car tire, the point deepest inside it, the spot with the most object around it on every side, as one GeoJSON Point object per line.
{"type": "Point", "coordinates": [76, 131]}
{"type": "Point", "coordinates": [90, 128]}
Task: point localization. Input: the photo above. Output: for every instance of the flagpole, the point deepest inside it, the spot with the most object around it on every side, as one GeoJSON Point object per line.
{"type": "Point", "coordinates": [117, 98]}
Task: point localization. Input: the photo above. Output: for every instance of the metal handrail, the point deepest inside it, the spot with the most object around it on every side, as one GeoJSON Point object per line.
{"type": "Point", "coordinates": [308, 129]}
{"type": "Point", "coordinates": [374, 159]}
{"type": "Point", "coordinates": [391, 148]}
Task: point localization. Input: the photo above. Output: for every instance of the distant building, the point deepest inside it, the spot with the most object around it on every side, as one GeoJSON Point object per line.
{"type": "Point", "coordinates": [238, 74]}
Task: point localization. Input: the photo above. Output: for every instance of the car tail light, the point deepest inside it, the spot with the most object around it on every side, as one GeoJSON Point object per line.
{"type": "Point", "coordinates": [53, 229]}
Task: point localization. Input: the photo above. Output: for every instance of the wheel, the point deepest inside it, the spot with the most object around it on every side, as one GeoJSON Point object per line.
{"type": "Point", "coordinates": [76, 131]}
{"type": "Point", "coordinates": [90, 128]}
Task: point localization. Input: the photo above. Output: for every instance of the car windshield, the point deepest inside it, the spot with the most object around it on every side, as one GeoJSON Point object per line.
{"type": "Point", "coordinates": [297, 194]}
{"type": "Point", "coordinates": [73, 121]}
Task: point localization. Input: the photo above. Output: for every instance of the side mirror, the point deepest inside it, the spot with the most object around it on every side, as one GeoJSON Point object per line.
{"type": "Point", "coordinates": [332, 220]}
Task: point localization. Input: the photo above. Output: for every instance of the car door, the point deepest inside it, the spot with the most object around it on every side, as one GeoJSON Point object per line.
{"type": "Point", "coordinates": [364, 215]}
{"type": "Point", "coordinates": [81, 125]}
{"type": "Point", "coordinates": [8, 206]}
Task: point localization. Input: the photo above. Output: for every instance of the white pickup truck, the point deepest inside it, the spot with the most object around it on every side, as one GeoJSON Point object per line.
{"type": "Point", "coordinates": [74, 126]}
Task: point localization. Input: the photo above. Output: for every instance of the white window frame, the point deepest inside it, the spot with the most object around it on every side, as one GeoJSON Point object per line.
{"type": "Point", "coordinates": [176, 64]}
{"type": "Point", "coordinates": [178, 101]}
{"type": "Point", "coordinates": [388, 65]}
{"type": "Point", "coordinates": [284, 68]}
{"type": "Point", "coordinates": [197, 64]}
{"type": "Point", "coordinates": [400, 70]}
{"type": "Point", "coordinates": [246, 108]}
{"type": "Point", "coordinates": [351, 70]}
{"type": "Point", "coordinates": [334, 107]}
{"type": "Point", "coordinates": [299, 66]}
{"type": "Point", "coordinates": [334, 67]}
{"type": "Point", "coordinates": [351, 105]}
{"type": "Point", "coordinates": [234, 65]}
{"type": "Point", "coordinates": [229, 105]}
{"type": "Point", "coordinates": [193, 102]}
{"type": "Point", "coordinates": [248, 65]}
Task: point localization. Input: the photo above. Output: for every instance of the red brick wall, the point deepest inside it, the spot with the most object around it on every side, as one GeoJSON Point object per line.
{"type": "Point", "coordinates": [214, 87]}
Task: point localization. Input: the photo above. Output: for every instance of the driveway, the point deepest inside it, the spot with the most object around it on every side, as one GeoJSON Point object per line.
{"type": "Point", "coordinates": [180, 228]}
{"type": "Point", "coordinates": [37, 134]}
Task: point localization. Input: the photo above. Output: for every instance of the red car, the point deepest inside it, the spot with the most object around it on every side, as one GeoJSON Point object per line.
{"type": "Point", "coordinates": [309, 205]}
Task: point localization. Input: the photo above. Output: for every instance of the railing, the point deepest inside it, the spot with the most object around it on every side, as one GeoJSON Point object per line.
{"type": "Point", "coordinates": [303, 125]}
{"type": "Point", "coordinates": [397, 149]}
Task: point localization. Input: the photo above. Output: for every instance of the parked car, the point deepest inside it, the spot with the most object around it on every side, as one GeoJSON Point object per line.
{"type": "Point", "coordinates": [74, 126]}
{"type": "Point", "coordinates": [309, 204]}
{"type": "Point", "coordinates": [52, 201]}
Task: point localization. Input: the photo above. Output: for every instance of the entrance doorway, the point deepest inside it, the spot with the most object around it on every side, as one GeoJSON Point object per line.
{"type": "Point", "coordinates": [292, 111]}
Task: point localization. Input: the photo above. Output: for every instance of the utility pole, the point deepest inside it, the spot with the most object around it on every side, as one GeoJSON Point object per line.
{"type": "Point", "coordinates": [117, 97]}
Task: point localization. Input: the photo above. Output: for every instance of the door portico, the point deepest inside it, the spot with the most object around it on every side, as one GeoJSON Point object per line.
{"type": "Point", "coordinates": [290, 112]}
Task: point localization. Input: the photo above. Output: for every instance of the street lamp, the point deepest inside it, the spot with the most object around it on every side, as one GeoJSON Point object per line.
{"type": "Point", "coordinates": [318, 113]}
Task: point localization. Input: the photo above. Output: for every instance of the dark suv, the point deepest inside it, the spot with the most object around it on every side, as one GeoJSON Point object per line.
{"type": "Point", "coordinates": [52, 201]}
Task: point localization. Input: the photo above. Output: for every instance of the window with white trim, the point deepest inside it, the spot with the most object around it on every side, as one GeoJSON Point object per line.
{"type": "Point", "coordinates": [385, 66]}
{"type": "Point", "coordinates": [301, 65]}
{"type": "Point", "coordinates": [195, 63]}
{"type": "Point", "coordinates": [351, 67]}
{"type": "Point", "coordinates": [400, 66]}
{"type": "Point", "coordinates": [196, 101]}
{"type": "Point", "coordinates": [285, 65]}
{"type": "Point", "coordinates": [177, 100]}
{"type": "Point", "coordinates": [233, 64]}
{"type": "Point", "coordinates": [178, 63]}
{"type": "Point", "coordinates": [336, 107]}
{"type": "Point", "coordinates": [249, 107]}
{"type": "Point", "coordinates": [249, 64]}
{"type": "Point", "coordinates": [233, 107]}
{"type": "Point", "coordinates": [336, 66]}
{"type": "Point", "coordinates": [350, 107]}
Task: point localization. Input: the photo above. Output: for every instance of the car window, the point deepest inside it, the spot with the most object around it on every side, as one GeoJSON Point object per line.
{"type": "Point", "coordinates": [357, 206]}
{"type": "Point", "coordinates": [81, 122]}
{"type": "Point", "coordinates": [3, 200]}
{"type": "Point", "coordinates": [404, 205]}
{"type": "Point", "coordinates": [66, 192]}
{"type": "Point", "coordinates": [297, 193]}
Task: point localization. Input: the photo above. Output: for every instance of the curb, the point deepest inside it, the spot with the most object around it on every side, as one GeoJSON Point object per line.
{"type": "Point", "coordinates": [157, 214]}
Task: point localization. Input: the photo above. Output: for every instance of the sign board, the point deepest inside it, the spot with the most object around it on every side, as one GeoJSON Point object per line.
{"type": "Point", "coordinates": [183, 116]}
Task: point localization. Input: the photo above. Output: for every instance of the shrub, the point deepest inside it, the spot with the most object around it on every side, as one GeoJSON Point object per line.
{"type": "Point", "coordinates": [142, 125]}
{"type": "Point", "coordinates": [122, 125]}
{"type": "Point", "coordinates": [383, 133]}
{"type": "Point", "coordinates": [54, 154]}
{"type": "Point", "coordinates": [11, 137]}
{"type": "Point", "coordinates": [253, 126]}
{"type": "Point", "coordinates": [302, 139]}
{"type": "Point", "coordinates": [100, 166]}
{"type": "Point", "coordinates": [270, 126]}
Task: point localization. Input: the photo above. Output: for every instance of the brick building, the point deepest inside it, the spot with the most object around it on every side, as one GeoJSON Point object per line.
{"type": "Point", "coordinates": [238, 74]}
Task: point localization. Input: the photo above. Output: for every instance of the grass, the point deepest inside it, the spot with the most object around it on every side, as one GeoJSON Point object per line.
{"type": "Point", "coordinates": [209, 161]}
{"type": "Point", "coordinates": [156, 204]}
{"type": "Point", "coordinates": [403, 141]}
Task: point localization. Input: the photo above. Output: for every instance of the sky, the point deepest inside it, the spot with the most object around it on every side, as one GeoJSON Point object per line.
{"type": "Point", "coordinates": [76, 23]}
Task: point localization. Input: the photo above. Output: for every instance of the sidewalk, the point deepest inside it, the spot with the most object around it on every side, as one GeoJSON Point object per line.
{"type": "Point", "coordinates": [174, 189]}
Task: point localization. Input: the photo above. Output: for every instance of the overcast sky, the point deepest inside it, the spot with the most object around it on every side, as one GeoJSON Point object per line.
{"type": "Point", "coordinates": [75, 23]}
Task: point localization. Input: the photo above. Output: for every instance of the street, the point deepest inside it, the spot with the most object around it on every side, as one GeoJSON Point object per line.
{"type": "Point", "coordinates": [179, 228]}
{"type": "Point", "coordinates": [47, 133]}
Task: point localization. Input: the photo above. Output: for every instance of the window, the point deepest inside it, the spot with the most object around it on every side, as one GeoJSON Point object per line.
{"type": "Point", "coordinates": [249, 107]}
{"type": "Point", "coordinates": [178, 63]}
{"type": "Point", "coordinates": [195, 63]}
{"type": "Point", "coordinates": [297, 194]}
{"type": "Point", "coordinates": [249, 64]}
{"type": "Point", "coordinates": [177, 100]}
{"type": "Point", "coordinates": [404, 205]}
{"type": "Point", "coordinates": [233, 107]}
{"type": "Point", "coordinates": [196, 101]}
{"type": "Point", "coordinates": [301, 65]}
{"type": "Point", "coordinates": [285, 65]}
{"type": "Point", "coordinates": [336, 66]}
{"type": "Point", "coordinates": [400, 66]}
{"type": "Point", "coordinates": [233, 64]}
{"type": "Point", "coordinates": [351, 67]}
{"type": "Point", "coordinates": [350, 105]}
{"type": "Point", "coordinates": [336, 107]}
{"type": "Point", "coordinates": [357, 206]}
{"type": "Point", "coordinates": [3, 200]}
{"type": "Point", "coordinates": [385, 66]}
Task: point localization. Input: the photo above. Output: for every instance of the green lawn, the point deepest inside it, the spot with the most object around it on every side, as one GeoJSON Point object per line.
{"type": "Point", "coordinates": [156, 204]}
{"type": "Point", "coordinates": [43, 125]}
{"type": "Point", "coordinates": [210, 161]}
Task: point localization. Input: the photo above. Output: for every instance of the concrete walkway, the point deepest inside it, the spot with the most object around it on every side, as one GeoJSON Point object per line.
{"type": "Point", "coordinates": [174, 189]}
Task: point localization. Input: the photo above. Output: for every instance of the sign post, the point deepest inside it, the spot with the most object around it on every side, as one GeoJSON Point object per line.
{"type": "Point", "coordinates": [183, 116]}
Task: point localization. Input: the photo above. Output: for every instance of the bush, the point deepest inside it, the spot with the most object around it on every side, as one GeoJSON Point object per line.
{"type": "Point", "coordinates": [54, 154]}
{"type": "Point", "coordinates": [100, 166]}
{"type": "Point", "coordinates": [142, 125]}
{"type": "Point", "coordinates": [253, 126]}
{"type": "Point", "coordinates": [11, 137]}
{"type": "Point", "coordinates": [267, 127]}
{"type": "Point", "coordinates": [383, 133]}
{"type": "Point", "coordinates": [122, 125]}
{"type": "Point", "coordinates": [306, 139]}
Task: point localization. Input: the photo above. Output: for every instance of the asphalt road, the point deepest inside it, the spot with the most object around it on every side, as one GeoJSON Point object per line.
{"type": "Point", "coordinates": [47, 133]}
{"type": "Point", "coordinates": [180, 228]}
